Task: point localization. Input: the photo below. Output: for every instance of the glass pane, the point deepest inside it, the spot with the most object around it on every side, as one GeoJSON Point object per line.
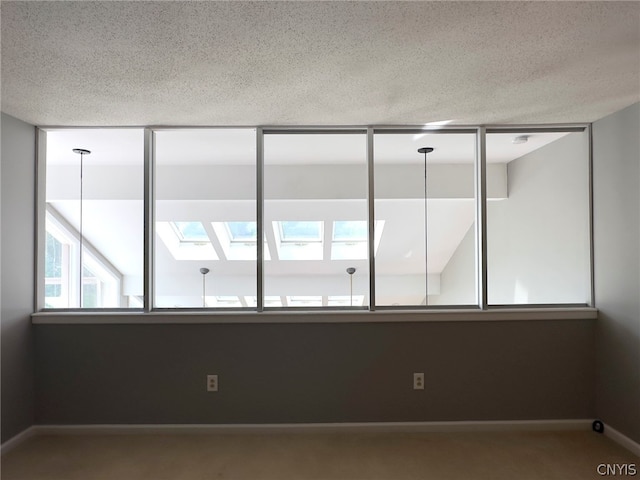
{"type": "Point", "coordinates": [350, 240]}
{"type": "Point", "coordinates": [346, 301]}
{"type": "Point", "coordinates": [190, 231]}
{"type": "Point", "coordinates": [300, 232]}
{"type": "Point", "coordinates": [304, 301]}
{"type": "Point", "coordinates": [350, 231]}
{"type": "Point", "coordinates": [242, 231]}
{"type": "Point", "coordinates": [315, 188]}
{"type": "Point", "coordinates": [538, 230]}
{"type": "Point", "coordinates": [425, 215]}
{"type": "Point", "coordinates": [53, 269]}
{"type": "Point", "coordinates": [90, 289]}
{"type": "Point", "coordinates": [108, 222]}
{"type": "Point", "coordinates": [269, 301]}
{"type": "Point", "coordinates": [224, 301]}
{"type": "Point", "coordinates": [205, 250]}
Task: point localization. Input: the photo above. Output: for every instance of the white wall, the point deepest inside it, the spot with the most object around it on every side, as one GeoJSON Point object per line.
{"type": "Point", "coordinates": [616, 169]}
{"type": "Point", "coordinates": [458, 279]}
{"type": "Point", "coordinates": [538, 238]}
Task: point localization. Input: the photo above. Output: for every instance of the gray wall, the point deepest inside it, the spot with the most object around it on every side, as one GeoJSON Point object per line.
{"type": "Point", "coordinates": [315, 372]}
{"type": "Point", "coordinates": [322, 372]}
{"type": "Point", "coordinates": [17, 226]}
{"type": "Point", "coordinates": [344, 372]}
{"type": "Point", "coordinates": [616, 168]}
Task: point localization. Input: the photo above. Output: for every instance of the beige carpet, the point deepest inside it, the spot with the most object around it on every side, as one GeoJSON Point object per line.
{"type": "Point", "coordinates": [323, 456]}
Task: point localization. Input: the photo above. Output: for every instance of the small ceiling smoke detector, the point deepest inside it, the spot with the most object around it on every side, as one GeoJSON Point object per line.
{"type": "Point", "coordinates": [521, 139]}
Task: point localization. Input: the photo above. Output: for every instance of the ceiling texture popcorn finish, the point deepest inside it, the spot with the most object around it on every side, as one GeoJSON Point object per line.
{"type": "Point", "coordinates": [317, 63]}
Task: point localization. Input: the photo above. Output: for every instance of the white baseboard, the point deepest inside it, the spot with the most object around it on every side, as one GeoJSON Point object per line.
{"type": "Point", "coordinates": [472, 426]}
{"type": "Point", "coordinates": [384, 427]}
{"type": "Point", "coordinates": [622, 439]}
{"type": "Point", "coordinates": [13, 442]}
{"type": "Point", "coordinates": [388, 427]}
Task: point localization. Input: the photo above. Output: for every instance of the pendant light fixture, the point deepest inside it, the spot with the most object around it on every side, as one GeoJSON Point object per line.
{"type": "Point", "coordinates": [204, 272]}
{"type": "Point", "coordinates": [425, 150]}
{"type": "Point", "coordinates": [82, 152]}
{"type": "Point", "coordinates": [351, 271]}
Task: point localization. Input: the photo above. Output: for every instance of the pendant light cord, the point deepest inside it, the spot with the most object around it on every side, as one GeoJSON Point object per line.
{"type": "Point", "coordinates": [204, 271]}
{"type": "Point", "coordinates": [426, 231]}
{"type": "Point", "coordinates": [351, 271]}
{"type": "Point", "coordinates": [426, 150]}
{"type": "Point", "coordinates": [81, 232]}
{"type": "Point", "coordinates": [351, 290]}
{"type": "Point", "coordinates": [82, 152]}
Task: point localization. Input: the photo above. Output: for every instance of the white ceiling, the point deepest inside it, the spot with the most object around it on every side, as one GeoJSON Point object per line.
{"type": "Point", "coordinates": [310, 63]}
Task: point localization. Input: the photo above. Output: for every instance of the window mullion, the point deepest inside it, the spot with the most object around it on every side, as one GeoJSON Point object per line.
{"type": "Point", "coordinates": [149, 218]}
{"type": "Point", "coordinates": [260, 219]}
{"type": "Point", "coordinates": [371, 220]}
{"type": "Point", "coordinates": [481, 216]}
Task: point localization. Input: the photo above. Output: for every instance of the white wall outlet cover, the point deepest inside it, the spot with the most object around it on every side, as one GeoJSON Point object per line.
{"type": "Point", "coordinates": [418, 381]}
{"type": "Point", "coordinates": [212, 383]}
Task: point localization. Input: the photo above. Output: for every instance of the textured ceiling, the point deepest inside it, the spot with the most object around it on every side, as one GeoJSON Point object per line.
{"type": "Point", "coordinates": [340, 63]}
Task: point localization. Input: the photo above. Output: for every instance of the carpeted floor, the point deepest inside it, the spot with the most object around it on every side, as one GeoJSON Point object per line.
{"type": "Point", "coordinates": [322, 456]}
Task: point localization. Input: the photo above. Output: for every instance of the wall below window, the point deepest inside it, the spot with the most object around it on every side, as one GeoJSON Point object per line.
{"type": "Point", "coordinates": [616, 169]}
{"type": "Point", "coordinates": [18, 180]}
{"type": "Point", "coordinates": [315, 372]}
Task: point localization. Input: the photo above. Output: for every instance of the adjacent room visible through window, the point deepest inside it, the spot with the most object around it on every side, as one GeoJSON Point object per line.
{"type": "Point", "coordinates": [94, 218]}
{"type": "Point", "coordinates": [205, 218]}
{"type": "Point", "coordinates": [426, 253]}
{"type": "Point", "coordinates": [538, 234]}
{"type": "Point", "coordinates": [315, 219]}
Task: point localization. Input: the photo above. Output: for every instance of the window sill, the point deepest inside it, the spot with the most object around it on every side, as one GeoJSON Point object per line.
{"type": "Point", "coordinates": [365, 316]}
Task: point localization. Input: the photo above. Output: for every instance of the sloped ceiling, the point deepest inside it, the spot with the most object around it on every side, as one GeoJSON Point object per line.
{"type": "Point", "coordinates": [312, 63]}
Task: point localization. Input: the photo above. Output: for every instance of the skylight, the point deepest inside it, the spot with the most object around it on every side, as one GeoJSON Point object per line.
{"type": "Point", "coordinates": [228, 301]}
{"type": "Point", "coordinates": [186, 240]}
{"type": "Point", "coordinates": [349, 239]}
{"type": "Point", "coordinates": [304, 301]}
{"type": "Point", "coordinates": [300, 232]}
{"type": "Point", "coordinates": [345, 300]}
{"type": "Point", "coordinates": [269, 301]}
{"type": "Point", "coordinates": [190, 232]}
{"type": "Point", "coordinates": [350, 231]}
{"type": "Point", "coordinates": [238, 240]}
{"type": "Point", "coordinates": [299, 240]}
{"type": "Point", "coordinates": [242, 232]}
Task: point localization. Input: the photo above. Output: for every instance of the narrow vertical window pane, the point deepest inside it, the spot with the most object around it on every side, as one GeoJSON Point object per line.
{"type": "Point", "coordinates": [315, 210]}
{"type": "Point", "coordinates": [108, 223]}
{"type": "Point", "coordinates": [538, 231]}
{"type": "Point", "coordinates": [53, 270]}
{"type": "Point", "coordinates": [424, 221]}
{"type": "Point", "coordinates": [205, 218]}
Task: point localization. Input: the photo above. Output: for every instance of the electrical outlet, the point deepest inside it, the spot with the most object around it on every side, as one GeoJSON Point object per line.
{"type": "Point", "coordinates": [212, 383]}
{"type": "Point", "coordinates": [418, 381]}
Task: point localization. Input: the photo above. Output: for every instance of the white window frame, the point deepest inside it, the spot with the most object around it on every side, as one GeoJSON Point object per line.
{"type": "Point", "coordinates": [524, 311]}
